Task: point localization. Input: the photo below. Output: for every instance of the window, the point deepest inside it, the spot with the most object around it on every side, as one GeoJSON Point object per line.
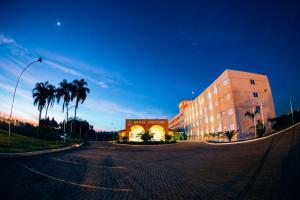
{"type": "Point", "coordinates": [252, 82]}
{"type": "Point", "coordinates": [257, 108]}
{"type": "Point", "coordinates": [225, 82]}
{"type": "Point", "coordinates": [216, 103]}
{"type": "Point", "coordinates": [255, 94]}
{"type": "Point", "coordinates": [215, 90]}
{"type": "Point", "coordinates": [228, 96]}
{"type": "Point", "coordinates": [232, 127]}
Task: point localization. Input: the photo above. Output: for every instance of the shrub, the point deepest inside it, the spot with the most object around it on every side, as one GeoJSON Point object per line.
{"type": "Point", "coordinates": [124, 139]}
{"type": "Point", "coordinates": [168, 137]}
{"type": "Point", "coordinates": [260, 129]}
{"type": "Point", "coordinates": [146, 136]}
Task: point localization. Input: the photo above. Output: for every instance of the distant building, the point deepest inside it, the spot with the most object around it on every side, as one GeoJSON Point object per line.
{"type": "Point", "coordinates": [222, 106]}
{"type": "Point", "coordinates": [134, 127]}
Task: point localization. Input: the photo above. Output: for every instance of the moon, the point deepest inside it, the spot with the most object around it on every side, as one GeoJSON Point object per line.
{"type": "Point", "coordinates": [58, 23]}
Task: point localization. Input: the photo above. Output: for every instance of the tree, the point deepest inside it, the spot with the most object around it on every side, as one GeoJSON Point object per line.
{"type": "Point", "coordinates": [230, 134]}
{"type": "Point", "coordinates": [146, 136]}
{"type": "Point", "coordinates": [260, 129]}
{"type": "Point", "coordinates": [51, 92]}
{"type": "Point", "coordinates": [79, 93]}
{"type": "Point", "coordinates": [39, 94]}
{"type": "Point", "coordinates": [64, 91]}
{"type": "Point", "coordinates": [252, 115]}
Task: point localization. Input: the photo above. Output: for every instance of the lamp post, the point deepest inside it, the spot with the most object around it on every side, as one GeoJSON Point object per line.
{"type": "Point", "coordinates": [13, 100]}
{"type": "Point", "coordinates": [292, 112]}
{"type": "Point", "coordinates": [73, 119]}
{"type": "Point", "coordinates": [261, 106]}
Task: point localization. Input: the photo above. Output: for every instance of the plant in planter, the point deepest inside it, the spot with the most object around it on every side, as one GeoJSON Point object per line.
{"type": "Point", "coordinates": [260, 129]}
{"type": "Point", "coordinates": [168, 137]}
{"type": "Point", "coordinates": [213, 135]}
{"type": "Point", "coordinates": [230, 134]}
{"type": "Point", "coordinates": [146, 136]}
{"type": "Point", "coordinates": [124, 139]}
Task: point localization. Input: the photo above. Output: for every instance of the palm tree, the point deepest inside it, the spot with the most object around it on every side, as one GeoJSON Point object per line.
{"type": "Point", "coordinates": [64, 91]}
{"type": "Point", "coordinates": [146, 136]}
{"type": "Point", "coordinates": [79, 93]}
{"type": "Point", "coordinates": [39, 94]}
{"type": "Point", "coordinates": [251, 115]}
{"type": "Point", "coordinates": [230, 134]}
{"type": "Point", "coordinates": [51, 92]}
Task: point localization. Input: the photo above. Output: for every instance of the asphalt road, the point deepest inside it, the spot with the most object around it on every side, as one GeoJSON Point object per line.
{"type": "Point", "coordinates": [268, 169]}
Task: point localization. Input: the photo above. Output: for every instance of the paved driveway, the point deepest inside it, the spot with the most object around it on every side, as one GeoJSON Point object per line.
{"type": "Point", "coordinates": [268, 169]}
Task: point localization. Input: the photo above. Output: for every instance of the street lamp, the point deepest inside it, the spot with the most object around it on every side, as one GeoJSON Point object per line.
{"type": "Point", "coordinates": [261, 106]}
{"type": "Point", "coordinates": [292, 112]}
{"type": "Point", "coordinates": [13, 100]}
{"type": "Point", "coordinates": [67, 121]}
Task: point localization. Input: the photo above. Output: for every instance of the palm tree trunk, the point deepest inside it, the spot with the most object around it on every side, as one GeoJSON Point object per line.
{"type": "Point", "coordinates": [75, 114]}
{"type": "Point", "coordinates": [40, 115]}
{"type": "Point", "coordinates": [47, 111]}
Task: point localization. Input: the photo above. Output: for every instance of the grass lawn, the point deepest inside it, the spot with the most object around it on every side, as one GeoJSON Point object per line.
{"type": "Point", "coordinates": [19, 143]}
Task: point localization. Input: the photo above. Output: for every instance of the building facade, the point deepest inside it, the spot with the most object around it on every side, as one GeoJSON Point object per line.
{"type": "Point", "coordinates": [134, 127]}
{"type": "Point", "coordinates": [222, 106]}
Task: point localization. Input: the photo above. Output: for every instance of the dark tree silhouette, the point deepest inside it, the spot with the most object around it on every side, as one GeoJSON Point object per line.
{"type": "Point", "coordinates": [51, 94]}
{"type": "Point", "coordinates": [79, 93]}
{"type": "Point", "coordinates": [39, 94]}
{"type": "Point", "coordinates": [64, 91]}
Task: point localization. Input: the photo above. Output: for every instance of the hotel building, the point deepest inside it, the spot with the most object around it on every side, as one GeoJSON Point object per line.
{"type": "Point", "coordinates": [222, 106]}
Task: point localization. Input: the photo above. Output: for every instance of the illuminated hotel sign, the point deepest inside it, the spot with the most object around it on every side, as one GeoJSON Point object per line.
{"type": "Point", "coordinates": [134, 127]}
{"type": "Point", "coordinates": [145, 122]}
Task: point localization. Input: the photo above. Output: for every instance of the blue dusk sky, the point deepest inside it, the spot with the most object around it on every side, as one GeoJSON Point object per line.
{"type": "Point", "coordinates": [140, 58]}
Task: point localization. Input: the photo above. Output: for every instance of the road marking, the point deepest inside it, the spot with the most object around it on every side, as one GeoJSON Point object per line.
{"type": "Point", "coordinates": [88, 156]}
{"type": "Point", "coordinates": [77, 163]}
{"type": "Point", "coordinates": [73, 183]}
{"type": "Point", "coordinates": [100, 147]}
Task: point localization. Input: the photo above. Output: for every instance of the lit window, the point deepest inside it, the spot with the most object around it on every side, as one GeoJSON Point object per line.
{"type": "Point", "coordinates": [212, 118]}
{"type": "Point", "coordinates": [209, 95]}
{"type": "Point", "coordinates": [232, 127]}
{"type": "Point", "coordinates": [225, 82]}
{"type": "Point", "coordinates": [216, 103]}
{"type": "Point", "coordinates": [230, 111]}
{"type": "Point", "coordinates": [220, 128]}
{"type": "Point", "coordinates": [228, 96]}
{"type": "Point", "coordinates": [215, 90]}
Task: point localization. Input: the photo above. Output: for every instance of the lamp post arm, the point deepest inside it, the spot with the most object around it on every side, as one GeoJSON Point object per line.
{"type": "Point", "coordinates": [15, 90]}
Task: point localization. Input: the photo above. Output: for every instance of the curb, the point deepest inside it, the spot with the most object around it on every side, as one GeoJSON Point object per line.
{"type": "Point", "coordinates": [37, 153]}
{"type": "Point", "coordinates": [144, 145]}
{"type": "Point", "coordinates": [252, 140]}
